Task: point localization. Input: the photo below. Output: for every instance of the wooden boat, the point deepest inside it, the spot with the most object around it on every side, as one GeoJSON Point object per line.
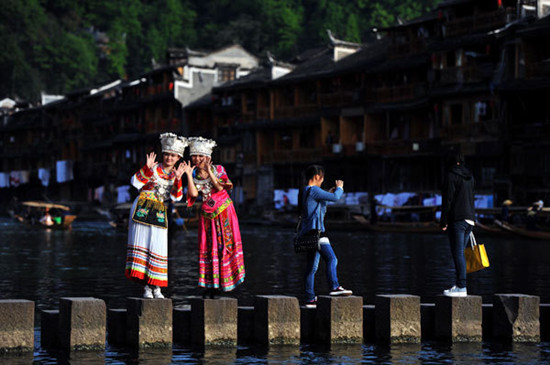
{"type": "Point", "coordinates": [538, 235]}
{"type": "Point", "coordinates": [488, 228]}
{"type": "Point", "coordinates": [35, 210]}
{"type": "Point", "coordinates": [400, 227]}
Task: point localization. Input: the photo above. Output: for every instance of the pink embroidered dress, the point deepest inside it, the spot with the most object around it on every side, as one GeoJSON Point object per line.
{"type": "Point", "coordinates": [221, 261]}
{"type": "Point", "coordinates": [147, 250]}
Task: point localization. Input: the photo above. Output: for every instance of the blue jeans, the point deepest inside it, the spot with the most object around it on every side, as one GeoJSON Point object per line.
{"type": "Point", "coordinates": [459, 233]}
{"type": "Point", "coordinates": [331, 261]}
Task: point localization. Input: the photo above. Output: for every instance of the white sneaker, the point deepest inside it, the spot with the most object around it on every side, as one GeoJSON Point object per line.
{"type": "Point", "coordinates": [455, 292]}
{"type": "Point", "coordinates": [157, 293]}
{"type": "Point", "coordinates": [147, 292]}
{"type": "Point", "coordinates": [340, 291]}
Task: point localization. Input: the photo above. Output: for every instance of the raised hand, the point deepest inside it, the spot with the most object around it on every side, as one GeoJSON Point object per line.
{"type": "Point", "coordinates": [151, 160]}
{"type": "Point", "coordinates": [179, 171]}
{"type": "Point", "coordinates": [339, 183]}
{"type": "Point", "coordinates": [187, 167]}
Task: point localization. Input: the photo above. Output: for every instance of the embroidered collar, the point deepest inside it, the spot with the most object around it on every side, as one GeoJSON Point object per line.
{"type": "Point", "coordinates": [162, 174]}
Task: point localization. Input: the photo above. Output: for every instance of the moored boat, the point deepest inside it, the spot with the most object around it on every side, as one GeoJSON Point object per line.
{"type": "Point", "coordinates": [538, 235]}
{"type": "Point", "coordinates": [45, 215]}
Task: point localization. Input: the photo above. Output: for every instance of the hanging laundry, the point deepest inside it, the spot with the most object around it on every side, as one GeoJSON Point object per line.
{"type": "Point", "coordinates": [64, 169]}
{"type": "Point", "coordinates": [44, 176]}
{"type": "Point", "coordinates": [123, 194]}
{"type": "Point", "coordinates": [4, 180]}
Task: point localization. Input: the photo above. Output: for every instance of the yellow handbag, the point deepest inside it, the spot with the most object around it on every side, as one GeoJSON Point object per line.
{"type": "Point", "coordinates": [476, 256]}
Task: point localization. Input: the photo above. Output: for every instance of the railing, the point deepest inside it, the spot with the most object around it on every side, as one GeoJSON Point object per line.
{"type": "Point", "coordinates": [295, 111]}
{"type": "Point", "coordinates": [531, 130]}
{"type": "Point", "coordinates": [398, 147]}
{"type": "Point", "coordinates": [263, 113]}
{"type": "Point", "coordinates": [286, 156]}
{"type": "Point", "coordinates": [476, 129]}
{"type": "Point", "coordinates": [537, 69]}
{"type": "Point", "coordinates": [403, 49]}
{"type": "Point", "coordinates": [337, 98]}
{"type": "Point", "coordinates": [396, 93]}
{"type": "Point", "coordinates": [492, 20]}
{"type": "Point", "coordinates": [454, 75]}
{"type": "Point", "coordinates": [248, 117]}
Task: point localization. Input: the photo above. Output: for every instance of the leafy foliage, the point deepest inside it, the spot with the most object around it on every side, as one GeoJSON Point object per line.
{"type": "Point", "coordinates": [57, 46]}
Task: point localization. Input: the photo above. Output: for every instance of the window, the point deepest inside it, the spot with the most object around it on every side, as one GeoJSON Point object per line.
{"type": "Point", "coordinates": [226, 74]}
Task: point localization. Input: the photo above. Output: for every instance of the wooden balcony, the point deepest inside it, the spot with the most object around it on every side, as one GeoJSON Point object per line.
{"type": "Point", "coordinates": [404, 49]}
{"type": "Point", "coordinates": [287, 156]}
{"type": "Point", "coordinates": [336, 99]}
{"type": "Point", "coordinates": [396, 147]}
{"type": "Point", "coordinates": [489, 128]}
{"type": "Point", "coordinates": [296, 111]}
{"type": "Point", "coordinates": [458, 75]}
{"type": "Point", "coordinates": [396, 93]}
{"type": "Point", "coordinates": [263, 113]}
{"type": "Point", "coordinates": [476, 23]}
{"type": "Point", "coordinates": [537, 69]}
{"type": "Point", "coordinates": [248, 117]}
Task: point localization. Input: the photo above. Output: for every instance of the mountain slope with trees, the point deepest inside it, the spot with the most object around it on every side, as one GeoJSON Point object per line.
{"type": "Point", "coordinates": [56, 46]}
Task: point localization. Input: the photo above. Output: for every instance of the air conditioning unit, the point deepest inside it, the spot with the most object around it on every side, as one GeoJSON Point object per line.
{"type": "Point", "coordinates": [337, 148]}
{"type": "Point", "coordinates": [359, 146]}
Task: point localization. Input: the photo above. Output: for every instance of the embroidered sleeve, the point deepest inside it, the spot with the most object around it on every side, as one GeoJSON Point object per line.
{"type": "Point", "coordinates": [176, 194]}
{"type": "Point", "coordinates": [223, 178]}
{"type": "Point", "coordinates": [142, 177]}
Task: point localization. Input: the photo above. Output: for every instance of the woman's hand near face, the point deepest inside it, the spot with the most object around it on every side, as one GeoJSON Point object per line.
{"type": "Point", "coordinates": [151, 160]}
{"type": "Point", "coordinates": [207, 163]}
{"type": "Point", "coordinates": [187, 167]}
{"type": "Point", "coordinates": [180, 170]}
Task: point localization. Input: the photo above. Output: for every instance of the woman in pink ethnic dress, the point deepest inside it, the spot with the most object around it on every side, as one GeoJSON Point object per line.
{"type": "Point", "coordinates": [221, 262]}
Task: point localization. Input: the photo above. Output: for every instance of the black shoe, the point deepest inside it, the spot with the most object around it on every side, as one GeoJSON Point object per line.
{"type": "Point", "coordinates": [207, 293]}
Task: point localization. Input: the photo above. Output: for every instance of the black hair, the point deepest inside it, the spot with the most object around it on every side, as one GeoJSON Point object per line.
{"type": "Point", "coordinates": [308, 174]}
{"type": "Point", "coordinates": [313, 170]}
{"type": "Point", "coordinates": [455, 158]}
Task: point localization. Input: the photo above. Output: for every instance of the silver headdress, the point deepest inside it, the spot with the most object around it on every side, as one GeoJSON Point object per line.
{"type": "Point", "coordinates": [201, 146]}
{"type": "Point", "coordinates": [172, 143]}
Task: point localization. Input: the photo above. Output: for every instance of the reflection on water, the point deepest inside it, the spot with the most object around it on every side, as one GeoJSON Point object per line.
{"type": "Point", "coordinates": [43, 266]}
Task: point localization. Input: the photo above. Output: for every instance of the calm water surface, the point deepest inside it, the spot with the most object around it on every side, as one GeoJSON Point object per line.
{"type": "Point", "coordinates": [43, 266]}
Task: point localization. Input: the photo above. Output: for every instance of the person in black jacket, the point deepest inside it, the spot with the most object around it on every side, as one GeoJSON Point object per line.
{"type": "Point", "coordinates": [457, 217]}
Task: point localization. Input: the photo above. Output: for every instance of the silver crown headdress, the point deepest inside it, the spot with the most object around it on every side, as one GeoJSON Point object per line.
{"type": "Point", "coordinates": [172, 143]}
{"type": "Point", "coordinates": [201, 146]}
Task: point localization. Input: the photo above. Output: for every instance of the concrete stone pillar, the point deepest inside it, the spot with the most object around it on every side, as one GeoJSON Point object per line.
{"type": "Point", "coordinates": [516, 317]}
{"type": "Point", "coordinates": [398, 318]}
{"type": "Point", "coordinates": [149, 322]}
{"type": "Point", "coordinates": [307, 324]}
{"type": "Point", "coordinates": [245, 325]}
{"type": "Point", "coordinates": [116, 326]}
{"type": "Point", "coordinates": [487, 323]}
{"type": "Point", "coordinates": [49, 328]}
{"type": "Point", "coordinates": [182, 324]}
{"type": "Point", "coordinates": [369, 323]}
{"type": "Point", "coordinates": [277, 320]}
{"type": "Point", "coordinates": [545, 322]}
{"type": "Point", "coordinates": [339, 319]}
{"type": "Point", "coordinates": [16, 325]}
{"type": "Point", "coordinates": [427, 320]}
{"type": "Point", "coordinates": [458, 319]}
{"type": "Point", "coordinates": [214, 321]}
{"type": "Point", "coordinates": [82, 323]}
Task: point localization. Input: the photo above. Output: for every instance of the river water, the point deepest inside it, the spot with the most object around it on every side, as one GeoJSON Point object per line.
{"type": "Point", "coordinates": [42, 266]}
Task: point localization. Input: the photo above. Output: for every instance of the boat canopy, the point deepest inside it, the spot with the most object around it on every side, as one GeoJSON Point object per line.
{"type": "Point", "coordinates": [38, 204]}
